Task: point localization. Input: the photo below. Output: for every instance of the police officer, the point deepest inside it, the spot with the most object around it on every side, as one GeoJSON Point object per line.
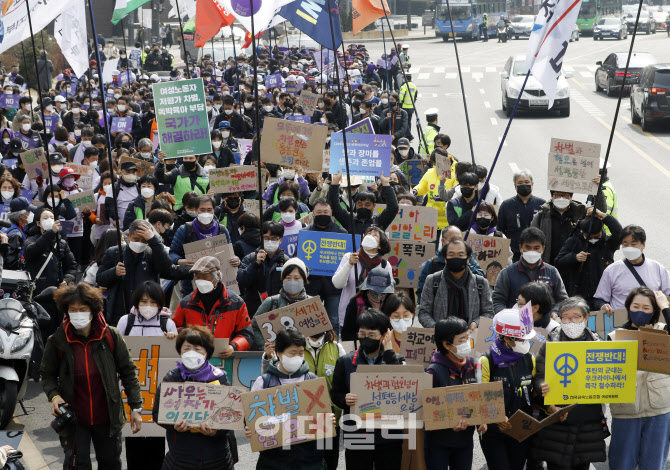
{"type": "Point", "coordinates": [430, 132]}
{"type": "Point", "coordinates": [408, 92]}
{"type": "Point", "coordinates": [484, 27]}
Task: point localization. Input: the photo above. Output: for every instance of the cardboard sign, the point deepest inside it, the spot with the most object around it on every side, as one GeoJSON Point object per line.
{"type": "Point", "coordinates": [443, 166]}
{"type": "Point", "coordinates": [326, 161]}
{"type": "Point", "coordinates": [85, 181]}
{"type": "Point", "coordinates": [445, 407]}
{"type": "Point", "coordinates": [414, 170]}
{"type": "Point", "coordinates": [604, 324]}
{"type": "Point", "coordinates": [653, 350]}
{"type": "Point", "coordinates": [308, 316]}
{"type": "Point", "coordinates": [223, 253]}
{"type": "Point", "coordinates": [388, 392]}
{"type": "Point", "coordinates": [83, 200]}
{"type": "Point", "coordinates": [575, 147]}
{"type": "Point", "coordinates": [288, 415]}
{"type": "Point", "coordinates": [492, 254]}
{"type": "Point", "coordinates": [205, 244]}
{"type": "Point", "coordinates": [368, 154]}
{"type": "Point", "coordinates": [572, 173]}
{"type": "Point", "coordinates": [412, 223]}
{"type": "Point", "coordinates": [322, 251]}
{"type": "Point", "coordinates": [253, 205]}
{"type": "Point", "coordinates": [308, 219]}
{"type": "Point", "coordinates": [291, 144]}
{"type": "Point", "coordinates": [417, 345]}
{"type": "Point", "coordinates": [591, 372]}
{"type": "Point", "coordinates": [407, 258]}
{"type": "Point", "coordinates": [233, 179]}
{"type": "Point", "coordinates": [524, 425]}
{"type": "Point", "coordinates": [485, 335]}
{"type": "Point", "coordinates": [35, 163]}
{"type": "Point", "coordinates": [220, 406]}
{"type": "Point", "coordinates": [308, 101]}
{"type": "Point", "coordinates": [143, 167]}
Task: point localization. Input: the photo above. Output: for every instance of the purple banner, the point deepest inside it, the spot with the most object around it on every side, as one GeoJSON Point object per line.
{"type": "Point", "coordinates": [51, 122]}
{"type": "Point", "coordinates": [272, 81]}
{"type": "Point", "coordinates": [361, 127]}
{"type": "Point", "coordinates": [27, 142]}
{"type": "Point", "coordinates": [9, 101]}
{"type": "Point", "coordinates": [121, 124]}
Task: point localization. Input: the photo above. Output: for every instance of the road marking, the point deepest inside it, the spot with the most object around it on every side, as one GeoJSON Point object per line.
{"type": "Point", "coordinates": [515, 169]}
{"type": "Point", "coordinates": [482, 91]}
{"type": "Point", "coordinates": [465, 69]}
{"type": "Point", "coordinates": [490, 70]}
{"type": "Point", "coordinates": [505, 145]}
{"type": "Point", "coordinates": [578, 83]}
{"type": "Point", "coordinates": [494, 122]}
{"type": "Point", "coordinates": [651, 136]}
{"type": "Point", "coordinates": [439, 69]}
{"type": "Point", "coordinates": [592, 68]}
{"type": "Point", "coordinates": [414, 69]}
{"type": "Point", "coordinates": [568, 68]}
{"type": "Point", "coordinates": [477, 76]}
{"type": "Point", "coordinates": [427, 95]}
{"type": "Point", "coordinates": [487, 105]}
{"type": "Point", "coordinates": [450, 75]}
{"type": "Point", "coordinates": [589, 107]}
{"type": "Point", "coordinates": [586, 74]}
{"type": "Point", "coordinates": [423, 76]}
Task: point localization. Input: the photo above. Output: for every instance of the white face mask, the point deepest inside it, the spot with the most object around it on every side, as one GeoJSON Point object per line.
{"type": "Point", "coordinates": [77, 132]}
{"type": "Point", "coordinates": [6, 140]}
{"type": "Point", "coordinates": [521, 348]}
{"type": "Point", "coordinates": [147, 311]}
{"type": "Point", "coordinates": [270, 246]}
{"type": "Point", "coordinates": [47, 223]}
{"type": "Point", "coordinates": [267, 108]}
{"type": "Point", "coordinates": [323, 120]}
{"type": "Point", "coordinates": [121, 107]}
{"type": "Point", "coordinates": [561, 203]}
{"type": "Point", "coordinates": [107, 189]}
{"type": "Point", "coordinates": [462, 350]}
{"type": "Point", "coordinates": [593, 241]}
{"type": "Point", "coordinates": [216, 144]}
{"type": "Point", "coordinates": [193, 214]}
{"type": "Point", "coordinates": [631, 253]}
{"type": "Point", "coordinates": [209, 108]}
{"type": "Point", "coordinates": [403, 152]}
{"type": "Point", "coordinates": [56, 169]}
{"type": "Point", "coordinates": [204, 286]}
{"type": "Point", "coordinates": [320, 105]}
{"type": "Point", "coordinates": [137, 247]}
{"type": "Point", "coordinates": [225, 134]}
{"type": "Point", "coordinates": [385, 101]}
{"type": "Point", "coordinates": [401, 325]}
{"type": "Point", "coordinates": [7, 194]}
{"type": "Point", "coordinates": [49, 108]}
{"type": "Point", "coordinates": [573, 330]}
{"type": "Point", "coordinates": [31, 217]}
{"type": "Point", "coordinates": [248, 105]}
{"type": "Point", "coordinates": [117, 95]}
{"type": "Point", "coordinates": [209, 168]}
{"type": "Point", "coordinates": [318, 343]}
{"type": "Point", "coordinates": [56, 201]}
{"type": "Point", "coordinates": [80, 320]}
{"type": "Point", "coordinates": [291, 364]}
{"type": "Point", "coordinates": [532, 257]}
{"type": "Point", "coordinates": [63, 106]}
{"type": "Point", "coordinates": [76, 110]}
{"type": "Point", "coordinates": [193, 360]}
{"type": "Point", "coordinates": [86, 143]}
{"type": "Point", "coordinates": [25, 127]}
{"type": "Point", "coordinates": [228, 112]}
{"type": "Point", "coordinates": [29, 107]}
{"type": "Point", "coordinates": [205, 218]}
{"type": "Point", "coordinates": [369, 242]}
{"type": "Point", "coordinates": [288, 217]}
{"type": "Point", "coordinates": [147, 192]}
{"type": "Point", "coordinates": [145, 155]}
{"type": "Point", "coordinates": [130, 179]}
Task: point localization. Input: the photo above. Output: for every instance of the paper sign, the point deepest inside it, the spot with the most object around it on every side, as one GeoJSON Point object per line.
{"type": "Point", "coordinates": [253, 205]}
{"type": "Point", "coordinates": [407, 258]}
{"type": "Point", "coordinates": [572, 173]}
{"type": "Point", "coordinates": [412, 223]}
{"type": "Point", "coordinates": [308, 101]}
{"type": "Point", "coordinates": [288, 415]}
{"type": "Point", "coordinates": [291, 144]}
{"type": "Point", "coordinates": [83, 200]}
{"type": "Point", "coordinates": [492, 254]}
{"type": "Point", "coordinates": [388, 392]}
{"type": "Point", "coordinates": [368, 154]}
{"type": "Point", "coordinates": [443, 166]}
{"type": "Point", "coordinates": [121, 124]}
{"type": "Point", "coordinates": [307, 220]}
{"type": "Point", "coordinates": [35, 163]}
{"type": "Point", "coordinates": [322, 251]}
{"type": "Point", "coordinates": [245, 147]}
{"type": "Point", "coordinates": [9, 101]}
{"type": "Point", "coordinates": [445, 407]}
{"type": "Point", "coordinates": [143, 167]}
{"type": "Point", "coordinates": [653, 348]}
{"type": "Point", "coordinates": [85, 181]}
{"type": "Point", "coordinates": [417, 345]}
{"type": "Point", "coordinates": [205, 244]}
{"type": "Point", "coordinates": [233, 179]}
{"type": "Point", "coordinates": [414, 170]}
{"type": "Point", "coordinates": [220, 406]}
{"type": "Point", "coordinates": [223, 253]}
{"type": "Point", "coordinates": [591, 372]}
{"type": "Point", "coordinates": [363, 126]}
{"type": "Point", "coordinates": [604, 324]}
{"type": "Point", "coordinates": [524, 425]}
{"type": "Point", "coordinates": [575, 147]}
{"type": "Point", "coordinates": [308, 316]}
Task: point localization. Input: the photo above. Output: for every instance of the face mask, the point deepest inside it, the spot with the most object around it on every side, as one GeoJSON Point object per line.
{"type": "Point", "coordinates": [31, 217]}
{"type": "Point", "coordinates": [401, 325]}
{"type": "Point", "coordinates": [385, 101]}
{"type": "Point", "coordinates": [294, 287]}
{"type": "Point", "coordinates": [80, 320]}
{"type": "Point", "coordinates": [523, 190]}
{"type": "Point", "coordinates": [190, 166]}
{"type": "Point", "coordinates": [483, 222]}
{"type": "Point", "coordinates": [467, 192]}
{"type": "Point", "coordinates": [364, 213]}
{"type": "Point", "coordinates": [147, 192]}
{"type": "Point", "coordinates": [640, 318]}
{"type": "Point", "coordinates": [121, 107]}
{"type": "Point", "coordinates": [6, 141]}
{"type": "Point", "coordinates": [217, 107]}
{"type": "Point", "coordinates": [29, 107]}
{"type": "Point", "coordinates": [107, 189]}
{"type": "Point", "coordinates": [216, 144]}
{"type": "Point", "coordinates": [63, 106]}
{"type": "Point", "coordinates": [270, 246]}
{"type": "Point", "coordinates": [232, 203]}
{"type": "Point", "coordinates": [316, 344]}
{"type": "Point", "coordinates": [76, 110]}
{"type": "Point", "coordinates": [205, 218]}
{"type": "Point", "coordinates": [77, 132]}
{"type": "Point", "coordinates": [148, 311]}
{"type": "Point", "coordinates": [7, 194]}
{"type": "Point", "coordinates": [117, 96]}
{"type": "Point", "coordinates": [209, 108]}
{"type": "Point", "coordinates": [193, 214]}
{"type": "Point", "coordinates": [86, 143]}
{"type": "Point", "coordinates": [323, 120]}
{"type": "Point", "coordinates": [209, 168]}
{"type": "Point", "coordinates": [288, 217]}
{"type": "Point", "coordinates": [291, 364]}
{"type": "Point", "coordinates": [404, 152]}
{"type": "Point", "coordinates": [561, 203]}
{"type": "Point", "coordinates": [456, 265]}
{"type": "Point", "coordinates": [25, 127]}
{"type": "Point", "coordinates": [369, 242]}
{"type": "Point", "coordinates": [47, 224]}
{"type": "Point", "coordinates": [68, 182]}
{"type": "Point", "coordinates": [225, 134]}
{"type": "Point", "coordinates": [228, 112]}
{"type": "Point", "coordinates": [248, 105]}
{"type": "Point", "coordinates": [369, 345]}
{"type": "Point", "coordinates": [137, 247]}
{"type": "Point", "coordinates": [631, 253]}
{"type": "Point", "coordinates": [462, 350]}
{"type": "Point", "coordinates": [123, 56]}
{"type": "Point", "coordinates": [521, 348]}
{"type": "Point", "coordinates": [193, 360]}
{"type": "Point", "coordinates": [130, 179]}
{"type": "Point", "coordinates": [50, 108]}
{"type": "Point", "coordinates": [267, 108]}
{"type": "Point", "coordinates": [320, 105]}
{"type": "Point", "coordinates": [593, 241]}
{"type": "Point", "coordinates": [323, 220]}
{"type": "Point", "coordinates": [573, 330]}
{"type": "Point", "coordinates": [204, 286]}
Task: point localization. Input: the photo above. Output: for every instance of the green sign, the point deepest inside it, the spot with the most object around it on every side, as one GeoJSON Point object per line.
{"type": "Point", "coordinates": [183, 127]}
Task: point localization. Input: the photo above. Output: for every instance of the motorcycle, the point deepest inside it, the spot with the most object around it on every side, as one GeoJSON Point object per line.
{"type": "Point", "coordinates": [502, 33]}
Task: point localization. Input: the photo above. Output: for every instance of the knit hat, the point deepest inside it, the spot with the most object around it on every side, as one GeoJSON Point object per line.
{"type": "Point", "coordinates": [295, 263]}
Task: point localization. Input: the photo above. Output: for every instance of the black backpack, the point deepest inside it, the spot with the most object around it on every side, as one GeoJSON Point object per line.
{"type": "Point", "coordinates": [131, 322]}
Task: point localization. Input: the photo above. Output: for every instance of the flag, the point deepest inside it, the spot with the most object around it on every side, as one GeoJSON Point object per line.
{"type": "Point", "coordinates": [71, 36]}
{"type": "Point", "coordinates": [209, 19]}
{"type": "Point", "coordinates": [247, 39]}
{"type": "Point", "coordinates": [187, 8]}
{"type": "Point", "coordinates": [311, 17]}
{"type": "Point", "coordinates": [365, 12]}
{"type": "Point", "coordinates": [549, 41]}
{"type": "Point", "coordinates": [123, 7]}
{"type": "Point", "coordinates": [264, 12]}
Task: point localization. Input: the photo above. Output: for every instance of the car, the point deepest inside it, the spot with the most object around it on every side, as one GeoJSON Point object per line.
{"type": "Point", "coordinates": [521, 25]}
{"type": "Point", "coordinates": [659, 18]}
{"type": "Point", "coordinates": [646, 22]}
{"type": "Point", "coordinates": [649, 101]}
{"type": "Point", "coordinates": [610, 28]}
{"type": "Point", "coordinates": [574, 36]}
{"type": "Point", "coordinates": [610, 72]}
{"type": "Point", "coordinates": [533, 98]}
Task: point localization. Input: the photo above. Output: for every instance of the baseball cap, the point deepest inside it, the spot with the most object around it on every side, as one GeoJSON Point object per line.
{"type": "Point", "coordinates": [21, 204]}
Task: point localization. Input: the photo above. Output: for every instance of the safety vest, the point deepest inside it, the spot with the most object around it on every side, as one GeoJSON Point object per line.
{"type": "Point", "coordinates": [405, 96]}
{"type": "Point", "coordinates": [139, 213]}
{"type": "Point", "coordinates": [429, 132]}
{"type": "Point", "coordinates": [324, 365]}
{"type": "Point", "coordinates": [143, 57]}
{"type": "Point", "coordinates": [183, 185]}
{"type": "Point", "coordinates": [610, 199]}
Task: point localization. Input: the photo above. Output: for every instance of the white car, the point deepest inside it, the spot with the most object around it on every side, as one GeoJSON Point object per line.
{"type": "Point", "coordinates": [534, 97]}
{"type": "Point", "coordinates": [521, 25]}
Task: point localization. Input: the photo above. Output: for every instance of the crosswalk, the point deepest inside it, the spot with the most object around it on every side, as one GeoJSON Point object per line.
{"type": "Point", "coordinates": [481, 73]}
{"type": "Point", "coordinates": [587, 105]}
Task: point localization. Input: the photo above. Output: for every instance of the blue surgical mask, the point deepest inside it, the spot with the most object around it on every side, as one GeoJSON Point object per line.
{"type": "Point", "coordinates": [640, 318]}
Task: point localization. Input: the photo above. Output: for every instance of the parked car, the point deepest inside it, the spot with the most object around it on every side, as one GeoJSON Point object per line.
{"type": "Point", "coordinates": [649, 102]}
{"type": "Point", "coordinates": [610, 28]}
{"type": "Point", "coordinates": [521, 25]}
{"type": "Point", "coordinates": [609, 74]}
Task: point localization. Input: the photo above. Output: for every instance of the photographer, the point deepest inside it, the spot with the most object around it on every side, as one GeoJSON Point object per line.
{"type": "Point", "coordinates": [80, 369]}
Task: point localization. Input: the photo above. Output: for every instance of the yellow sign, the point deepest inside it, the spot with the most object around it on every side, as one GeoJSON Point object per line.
{"type": "Point", "coordinates": [591, 372]}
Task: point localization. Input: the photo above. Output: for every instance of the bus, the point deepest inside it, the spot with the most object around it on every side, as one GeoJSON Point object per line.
{"type": "Point", "coordinates": [593, 10]}
{"type": "Point", "coordinates": [467, 16]}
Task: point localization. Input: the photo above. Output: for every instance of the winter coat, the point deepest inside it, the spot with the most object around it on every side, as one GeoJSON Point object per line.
{"type": "Point", "coordinates": [382, 220]}
{"type": "Point", "coordinates": [258, 280]}
{"type": "Point", "coordinates": [144, 327]}
{"type": "Point", "coordinates": [516, 275]}
{"type": "Point", "coordinates": [36, 249]}
{"type": "Point", "coordinates": [248, 242]}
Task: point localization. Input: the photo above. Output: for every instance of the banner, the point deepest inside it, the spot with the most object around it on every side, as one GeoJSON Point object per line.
{"type": "Point", "coordinates": [291, 144]}
{"type": "Point", "coordinates": [492, 254]}
{"type": "Point", "coordinates": [591, 372]}
{"type": "Point", "coordinates": [445, 407]}
{"type": "Point", "coordinates": [412, 223]}
{"type": "Point", "coordinates": [265, 13]}
{"type": "Point", "coordinates": [308, 316]}
{"type": "Point", "coordinates": [299, 118]}
{"type": "Point", "coordinates": [289, 414]}
{"type": "Point", "coordinates": [307, 100]}
{"type": "Point", "coordinates": [407, 258]}
{"type": "Point", "coordinates": [369, 154]}
{"type": "Point", "coordinates": [124, 7]}
{"type": "Point", "coordinates": [71, 36]}
{"type": "Point", "coordinates": [35, 163]}
{"type": "Point", "coordinates": [233, 179]}
{"type": "Point", "coordinates": [181, 117]}
{"type": "Point", "coordinates": [365, 12]}
{"type": "Point", "coordinates": [417, 345]}
{"type": "Point", "coordinates": [143, 167]}
{"type": "Point", "coordinates": [653, 350]}
{"type": "Point", "coordinates": [121, 124]}
{"type": "Point", "coordinates": [322, 251]}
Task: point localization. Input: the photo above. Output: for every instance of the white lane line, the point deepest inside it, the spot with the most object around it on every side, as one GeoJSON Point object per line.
{"type": "Point", "coordinates": [450, 75]}
{"type": "Point", "coordinates": [586, 74]}
{"type": "Point", "coordinates": [494, 122]}
{"type": "Point", "coordinates": [505, 145]}
{"type": "Point", "coordinates": [439, 69]}
{"type": "Point", "coordinates": [427, 95]}
{"type": "Point", "coordinates": [414, 69]}
{"type": "Point", "coordinates": [587, 105]}
{"type": "Point", "coordinates": [512, 165]}
{"type": "Point", "coordinates": [423, 76]}
{"type": "Point", "coordinates": [477, 76]}
{"type": "Point", "coordinates": [490, 70]}
{"type": "Point", "coordinates": [482, 91]}
{"type": "Point", "coordinates": [487, 105]}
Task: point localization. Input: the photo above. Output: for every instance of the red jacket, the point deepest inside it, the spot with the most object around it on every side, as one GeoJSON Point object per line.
{"type": "Point", "coordinates": [229, 318]}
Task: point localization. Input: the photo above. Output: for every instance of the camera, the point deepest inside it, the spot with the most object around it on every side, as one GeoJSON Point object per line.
{"type": "Point", "coordinates": [66, 417]}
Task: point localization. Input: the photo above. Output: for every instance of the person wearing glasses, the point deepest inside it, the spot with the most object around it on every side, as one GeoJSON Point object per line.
{"type": "Point", "coordinates": [373, 292]}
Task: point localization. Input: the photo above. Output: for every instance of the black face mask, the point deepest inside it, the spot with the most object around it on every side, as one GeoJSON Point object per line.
{"type": "Point", "coordinates": [369, 345]}
{"type": "Point", "coordinates": [456, 265]}
{"type": "Point", "coordinates": [393, 105]}
{"type": "Point", "coordinates": [233, 203]}
{"type": "Point", "coordinates": [523, 190]}
{"type": "Point", "coordinates": [322, 220]}
{"type": "Point", "coordinates": [364, 213]}
{"type": "Point", "coordinates": [125, 145]}
{"type": "Point", "coordinates": [467, 192]}
{"type": "Point", "coordinates": [483, 222]}
{"type": "Point", "coordinates": [190, 166]}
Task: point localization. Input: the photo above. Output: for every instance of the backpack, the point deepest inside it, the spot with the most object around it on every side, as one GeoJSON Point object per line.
{"type": "Point", "coordinates": [131, 322]}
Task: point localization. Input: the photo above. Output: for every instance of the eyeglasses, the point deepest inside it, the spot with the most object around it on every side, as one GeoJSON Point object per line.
{"type": "Point", "coordinates": [575, 319]}
{"type": "Point", "coordinates": [404, 317]}
{"type": "Point", "coordinates": [375, 335]}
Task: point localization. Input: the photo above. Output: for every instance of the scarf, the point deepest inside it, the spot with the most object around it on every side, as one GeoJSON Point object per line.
{"type": "Point", "coordinates": [457, 294]}
{"type": "Point", "coordinates": [367, 263]}
{"type": "Point", "coordinates": [502, 355]}
{"type": "Point", "coordinates": [207, 373]}
{"type": "Point", "coordinates": [291, 300]}
{"type": "Point", "coordinates": [205, 232]}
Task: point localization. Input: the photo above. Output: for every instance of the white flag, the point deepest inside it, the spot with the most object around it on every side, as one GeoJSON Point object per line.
{"type": "Point", "coordinates": [70, 32]}
{"type": "Point", "coordinates": [15, 20]}
{"type": "Point", "coordinates": [549, 41]}
{"type": "Point", "coordinates": [264, 12]}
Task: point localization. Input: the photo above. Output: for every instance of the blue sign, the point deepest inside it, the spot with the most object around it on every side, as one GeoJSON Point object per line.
{"type": "Point", "coordinates": [288, 244]}
{"type": "Point", "coordinates": [273, 81]}
{"type": "Point", "coordinates": [300, 118]}
{"type": "Point", "coordinates": [51, 122]}
{"type": "Point", "coordinates": [121, 124]}
{"type": "Point", "coordinates": [4, 211]}
{"type": "Point", "coordinates": [369, 154]}
{"type": "Point", "coordinates": [322, 251]}
{"type": "Point", "coordinates": [9, 101]}
{"type": "Point", "coordinates": [27, 193]}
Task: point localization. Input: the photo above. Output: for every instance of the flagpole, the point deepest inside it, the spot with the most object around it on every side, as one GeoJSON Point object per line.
{"type": "Point", "coordinates": [346, 73]}
{"type": "Point", "coordinates": [299, 40]}
{"type": "Point", "coordinates": [25, 64]}
{"type": "Point", "coordinates": [125, 48]}
{"type": "Point", "coordinates": [213, 58]}
{"type": "Point", "coordinates": [386, 63]}
{"type": "Point", "coordinates": [183, 42]}
{"type": "Point", "coordinates": [237, 70]}
{"type": "Point", "coordinates": [105, 116]}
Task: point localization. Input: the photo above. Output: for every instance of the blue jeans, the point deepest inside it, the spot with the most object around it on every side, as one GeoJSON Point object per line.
{"type": "Point", "coordinates": [332, 304]}
{"type": "Point", "coordinates": [641, 442]}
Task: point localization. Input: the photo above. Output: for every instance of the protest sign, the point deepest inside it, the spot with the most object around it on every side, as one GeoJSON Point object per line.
{"type": "Point", "coordinates": [326, 161]}
{"type": "Point", "coordinates": [289, 414]}
{"type": "Point", "coordinates": [308, 101]}
{"type": "Point", "coordinates": [388, 392]}
{"type": "Point", "coordinates": [574, 147]}
{"type": "Point", "coordinates": [220, 406]}
{"type": "Point", "coordinates": [253, 205]}
{"type": "Point", "coordinates": [524, 425]}
{"type": "Point", "coordinates": [414, 170]}
{"type": "Point", "coordinates": [308, 316]}
{"type": "Point", "coordinates": [9, 101]}
{"type": "Point", "coordinates": [51, 122]}
{"type": "Point", "coordinates": [29, 141]}
{"type": "Point", "coordinates": [85, 181]}
{"type": "Point", "coordinates": [143, 167]}
{"type": "Point", "coordinates": [121, 124]}
{"type": "Point", "coordinates": [591, 372]}
{"type": "Point", "coordinates": [406, 258]}
{"type": "Point", "coordinates": [412, 223]}
{"type": "Point", "coordinates": [604, 324]}
{"type": "Point", "coordinates": [83, 200]}
{"type": "Point", "coordinates": [223, 253]}
{"type": "Point", "coordinates": [653, 349]}
{"type": "Point", "coordinates": [492, 254]}
{"type": "Point", "coordinates": [417, 345]}
{"type": "Point", "coordinates": [233, 179]}
{"type": "Point", "coordinates": [445, 407]}
{"type": "Point", "coordinates": [322, 251]}
{"type": "Point", "coordinates": [4, 211]}
{"type": "Point", "coordinates": [35, 163]}
{"type": "Point", "coordinates": [245, 147]}
{"type": "Point", "coordinates": [205, 244]}
{"type": "Point", "coordinates": [307, 220]}
{"type": "Point", "coordinates": [485, 335]}
{"type": "Point", "coordinates": [181, 117]}
{"type": "Point", "coordinates": [443, 166]}
{"type": "Point", "coordinates": [299, 118]}
{"type": "Point", "coordinates": [363, 126]}
{"type": "Point", "coordinates": [291, 144]}
{"type": "Point", "coordinates": [369, 154]}
{"type": "Point", "coordinates": [289, 244]}
{"type": "Point", "coordinates": [572, 173]}
{"type": "Point", "coordinates": [274, 80]}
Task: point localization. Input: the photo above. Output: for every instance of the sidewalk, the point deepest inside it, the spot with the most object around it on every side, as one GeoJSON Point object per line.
{"type": "Point", "coordinates": [414, 35]}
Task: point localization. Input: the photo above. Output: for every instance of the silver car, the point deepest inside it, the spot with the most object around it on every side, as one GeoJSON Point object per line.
{"type": "Point", "coordinates": [521, 25]}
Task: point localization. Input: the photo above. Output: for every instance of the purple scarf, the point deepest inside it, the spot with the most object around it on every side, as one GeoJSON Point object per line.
{"type": "Point", "coordinates": [502, 355]}
{"type": "Point", "coordinates": [207, 373]}
{"type": "Point", "coordinates": [205, 232]}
